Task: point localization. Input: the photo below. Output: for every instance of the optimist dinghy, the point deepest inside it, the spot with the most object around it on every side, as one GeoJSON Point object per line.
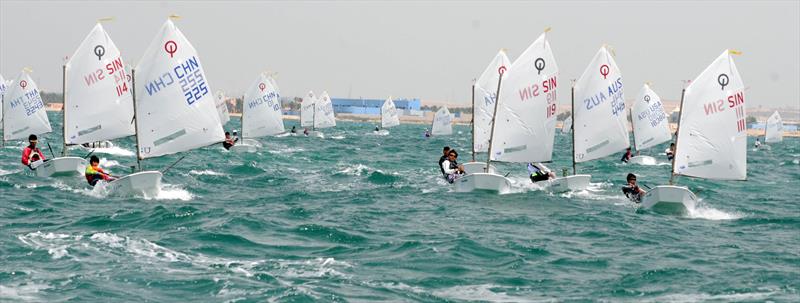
{"type": "Point", "coordinates": [712, 135]}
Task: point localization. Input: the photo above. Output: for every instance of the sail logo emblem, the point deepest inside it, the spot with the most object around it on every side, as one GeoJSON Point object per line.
{"type": "Point", "coordinates": [647, 98]}
{"type": "Point", "coordinates": [171, 47]}
{"type": "Point", "coordinates": [99, 51]}
{"type": "Point", "coordinates": [502, 69]}
{"type": "Point", "coordinates": [723, 80]}
{"type": "Point", "coordinates": [262, 86]}
{"type": "Point", "coordinates": [23, 84]}
{"type": "Point", "coordinates": [604, 70]}
{"type": "Point", "coordinates": [539, 65]}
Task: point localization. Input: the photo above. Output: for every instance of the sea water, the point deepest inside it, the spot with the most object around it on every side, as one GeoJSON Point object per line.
{"type": "Point", "coordinates": [362, 217]}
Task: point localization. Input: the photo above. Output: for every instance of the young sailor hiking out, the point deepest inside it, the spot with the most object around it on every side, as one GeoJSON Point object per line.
{"type": "Point", "coordinates": [94, 173]}
{"type": "Point", "coordinates": [31, 155]}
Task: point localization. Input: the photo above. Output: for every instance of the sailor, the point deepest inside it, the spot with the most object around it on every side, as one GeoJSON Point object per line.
{"type": "Point", "coordinates": [94, 173]}
{"type": "Point", "coordinates": [377, 129]}
{"type": "Point", "coordinates": [539, 172]}
{"type": "Point", "coordinates": [445, 152]}
{"type": "Point", "coordinates": [758, 143]}
{"type": "Point", "coordinates": [305, 131]}
{"type": "Point", "coordinates": [235, 136]}
{"type": "Point", "coordinates": [294, 130]}
{"type": "Point", "coordinates": [31, 155]}
{"type": "Point", "coordinates": [427, 133]}
{"type": "Point", "coordinates": [450, 167]}
{"type": "Point", "coordinates": [627, 155]}
{"type": "Point", "coordinates": [632, 190]}
{"type": "Point", "coordinates": [228, 141]}
{"type": "Point", "coordinates": [670, 151]}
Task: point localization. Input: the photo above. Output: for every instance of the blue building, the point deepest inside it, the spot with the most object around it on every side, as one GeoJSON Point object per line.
{"type": "Point", "coordinates": [371, 106]}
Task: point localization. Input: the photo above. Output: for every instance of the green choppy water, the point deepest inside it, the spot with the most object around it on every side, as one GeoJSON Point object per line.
{"type": "Point", "coordinates": [358, 217]}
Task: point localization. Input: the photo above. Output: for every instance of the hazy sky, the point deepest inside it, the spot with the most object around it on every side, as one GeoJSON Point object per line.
{"type": "Point", "coordinates": [426, 49]}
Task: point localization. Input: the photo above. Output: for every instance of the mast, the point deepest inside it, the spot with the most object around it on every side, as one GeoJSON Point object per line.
{"type": "Point", "coordinates": [572, 115]}
{"type": "Point", "coordinates": [241, 116]}
{"type": "Point", "coordinates": [136, 119]}
{"type": "Point", "coordinates": [314, 117]}
{"type": "Point", "coordinates": [677, 130]}
{"type": "Point", "coordinates": [633, 128]}
{"type": "Point", "coordinates": [473, 121]}
{"type": "Point", "coordinates": [494, 115]}
{"type": "Point", "coordinates": [64, 109]}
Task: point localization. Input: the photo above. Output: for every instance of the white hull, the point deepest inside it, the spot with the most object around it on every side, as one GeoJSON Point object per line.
{"type": "Point", "coordinates": [643, 160]}
{"type": "Point", "coordinates": [61, 166]}
{"type": "Point", "coordinates": [483, 181]}
{"type": "Point", "coordinates": [669, 198]}
{"type": "Point", "coordinates": [146, 183]}
{"type": "Point", "coordinates": [478, 167]}
{"type": "Point", "coordinates": [568, 183]}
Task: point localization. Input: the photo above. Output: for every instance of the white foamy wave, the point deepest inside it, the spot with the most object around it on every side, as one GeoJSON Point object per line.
{"type": "Point", "coordinates": [708, 213]}
{"type": "Point", "coordinates": [206, 172]}
{"type": "Point", "coordinates": [796, 161]}
{"type": "Point", "coordinates": [108, 163]}
{"type": "Point", "coordinates": [356, 170]}
{"type": "Point", "coordinates": [21, 292]}
{"type": "Point", "coordinates": [486, 292]}
{"type": "Point", "coordinates": [286, 150]}
{"type": "Point", "coordinates": [702, 297]}
{"type": "Point", "coordinates": [56, 244]}
{"type": "Point", "coordinates": [522, 184]}
{"type": "Point", "coordinates": [339, 137]}
{"type": "Point", "coordinates": [172, 192]}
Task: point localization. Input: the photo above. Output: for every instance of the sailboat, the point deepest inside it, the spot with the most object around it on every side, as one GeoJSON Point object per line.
{"type": "Point", "coordinates": [3, 88]}
{"type": "Point", "coordinates": [97, 98]}
{"type": "Point", "coordinates": [389, 117]}
{"type": "Point", "coordinates": [307, 113]}
{"type": "Point", "coordinates": [650, 125]}
{"type": "Point", "coordinates": [24, 114]}
{"type": "Point", "coordinates": [600, 126]}
{"type": "Point", "coordinates": [566, 126]}
{"type": "Point", "coordinates": [485, 88]}
{"type": "Point", "coordinates": [222, 108]}
{"type": "Point", "coordinates": [442, 124]}
{"type": "Point", "coordinates": [773, 133]}
{"type": "Point", "coordinates": [712, 135]}
{"type": "Point", "coordinates": [261, 114]}
{"type": "Point", "coordinates": [523, 126]}
{"type": "Point", "coordinates": [323, 112]}
{"type": "Point", "coordinates": [174, 107]}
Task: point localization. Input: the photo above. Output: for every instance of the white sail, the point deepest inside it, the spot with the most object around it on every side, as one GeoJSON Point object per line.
{"type": "Point", "coordinates": [23, 110]}
{"type": "Point", "coordinates": [485, 95]}
{"type": "Point", "coordinates": [262, 115]}
{"type": "Point", "coordinates": [389, 116]}
{"type": "Point", "coordinates": [712, 136]}
{"type": "Point", "coordinates": [442, 122]}
{"type": "Point", "coordinates": [3, 88]}
{"type": "Point", "coordinates": [324, 116]}
{"type": "Point", "coordinates": [601, 123]}
{"type": "Point", "coordinates": [526, 116]}
{"type": "Point", "coordinates": [175, 107]}
{"type": "Point", "coordinates": [650, 125]}
{"type": "Point", "coordinates": [566, 126]}
{"type": "Point", "coordinates": [274, 85]}
{"type": "Point", "coordinates": [307, 110]}
{"type": "Point", "coordinates": [774, 132]}
{"type": "Point", "coordinates": [222, 107]}
{"type": "Point", "coordinates": [97, 97]}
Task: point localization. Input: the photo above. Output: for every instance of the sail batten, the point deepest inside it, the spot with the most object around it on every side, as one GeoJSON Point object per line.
{"type": "Point", "coordinates": [650, 124]}
{"type": "Point", "coordinates": [175, 106]}
{"type": "Point", "coordinates": [389, 117]}
{"type": "Point", "coordinates": [485, 91]}
{"type": "Point", "coordinates": [23, 110]}
{"type": "Point", "coordinates": [774, 128]}
{"type": "Point", "coordinates": [526, 114]}
{"type": "Point", "coordinates": [712, 136]}
{"type": "Point", "coordinates": [262, 109]}
{"type": "Point", "coordinates": [442, 122]}
{"type": "Point", "coordinates": [601, 124]}
{"type": "Point", "coordinates": [97, 97]}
